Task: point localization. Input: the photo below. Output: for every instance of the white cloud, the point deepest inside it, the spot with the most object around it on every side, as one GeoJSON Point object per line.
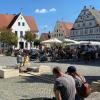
{"type": "Point", "coordinates": [45, 27]}
{"type": "Point", "coordinates": [41, 11]}
{"type": "Point", "coordinates": [37, 11]}
{"type": "Point", "coordinates": [45, 10]}
{"type": "Point", "coordinates": [52, 10]}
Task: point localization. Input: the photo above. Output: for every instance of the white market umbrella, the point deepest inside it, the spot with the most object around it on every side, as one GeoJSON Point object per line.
{"type": "Point", "coordinates": [50, 41]}
{"type": "Point", "coordinates": [70, 41]}
{"type": "Point", "coordinates": [89, 42]}
{"type": "Point", "coordinates": [95, 43]}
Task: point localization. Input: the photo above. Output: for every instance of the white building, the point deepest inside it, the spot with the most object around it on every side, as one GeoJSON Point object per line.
{"type": "Point", "coordinates": [19, 24]}
{"type": "Point", "coordinates": [61, 30]}
{"type": "Point", "coordinates": [87, 25]}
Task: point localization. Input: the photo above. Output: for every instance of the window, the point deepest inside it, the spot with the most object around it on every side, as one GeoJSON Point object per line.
{"type": "Point", "coordinates": [87, 16]}
{"type": "Point", "coordinates": [21, 33]}
{"type": "Point", "coordinates": [23, 24]}
{"type": "Point", "coordinates": [81, 31]}
{"type": "Point", "coordinates": [83, 24]}
{"type": "Point", "coordinates": [91, 30]}
{"type": "Point", "coordinates": [2, 44]}
{"type": "Point", "coordinates": [90, 23]}
{"type": "Point", "coordinates": [73, 33]}
{"type": "Point", "coordinates": [86, 31]}
{"type": "Point", "coordinates": [16, 33]}
{"type": "Point", "coordinates": [96, 30]}
{"type": "Point", "coordinates": [18, 23]}
{"type": "Point", "coordinates": [78, 25]}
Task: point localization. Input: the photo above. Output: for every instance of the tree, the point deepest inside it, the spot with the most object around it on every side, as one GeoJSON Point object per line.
{"type": "Point", "coordinates": [8, 37]}
{"type": "Point", "coordinates": [29, 37]}
{"type": "Point", "coordinates": [37, 42]}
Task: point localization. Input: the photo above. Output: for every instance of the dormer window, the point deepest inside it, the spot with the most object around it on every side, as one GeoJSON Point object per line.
{"type": "Point", "coordinates": [23, 24]}
{"type": "Point", "coordinates": [18, 23]}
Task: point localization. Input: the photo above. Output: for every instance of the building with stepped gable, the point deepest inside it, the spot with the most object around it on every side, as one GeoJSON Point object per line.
{"type": "Point", "coordinates": [61, 30]}
{"type": "Point", "coordinates": [87, 25]}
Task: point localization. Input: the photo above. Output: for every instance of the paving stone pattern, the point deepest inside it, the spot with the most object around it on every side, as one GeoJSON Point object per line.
{"type": "Point", "coordinates": [32, 88]}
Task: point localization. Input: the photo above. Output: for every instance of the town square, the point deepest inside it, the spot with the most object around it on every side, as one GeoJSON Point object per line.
{"type": "Point", "coordinates": [49, 50]}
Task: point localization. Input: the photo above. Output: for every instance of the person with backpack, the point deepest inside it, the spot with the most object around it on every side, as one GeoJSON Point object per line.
{"type": "Point", "coordinates": [64, 86]}
{"type": "Point", "coordinates": [82, 87]}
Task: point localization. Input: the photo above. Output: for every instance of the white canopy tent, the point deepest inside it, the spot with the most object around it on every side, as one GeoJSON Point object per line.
{"type": "Point", "coordinates": [69, 41]}
{"type": "Point", "coordinates": [89, 42]}
{"type": "Point", "coordinates": [52, 41]}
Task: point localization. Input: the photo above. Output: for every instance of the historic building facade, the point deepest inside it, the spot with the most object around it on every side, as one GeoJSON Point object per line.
{"type": "Point", "coordinates": [87, 26]}
{"type": "Point", "coordinates": [61, 30]}
{"type": "Point", "coordinates": [19, 24]}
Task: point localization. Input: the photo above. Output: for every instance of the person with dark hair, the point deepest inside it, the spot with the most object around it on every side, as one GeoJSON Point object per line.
{"type": "Point", "coordinates": [79, 79]}
{"type": "Point", "coordinates": [64, 86]}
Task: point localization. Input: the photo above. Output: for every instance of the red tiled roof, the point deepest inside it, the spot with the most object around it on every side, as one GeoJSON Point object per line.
{"type": "Point", "coordinates": [7, 20]}
{"type": "Point", "coordinates": [31, 22]}
{"type": "Point", "coordinates": [66, 26]}
{"type": "Point", "coordinates": [44, 36]}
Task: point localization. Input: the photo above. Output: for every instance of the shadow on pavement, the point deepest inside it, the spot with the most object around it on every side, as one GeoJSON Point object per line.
{"type": "Point", "coordinates": [50, 79]}
{"type": "Point", "coordinates": [45, 78]}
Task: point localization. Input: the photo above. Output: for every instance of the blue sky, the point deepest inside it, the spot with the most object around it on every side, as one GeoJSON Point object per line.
{"type": "Point", "coordinates": [47, 12]}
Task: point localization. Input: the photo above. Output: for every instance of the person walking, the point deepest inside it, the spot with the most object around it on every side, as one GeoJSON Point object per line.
{"type": "Point", "coordinates": [64, 86]}
{"type": "Point", "coordinates": [19, 60]}
{"type": "Point", "coordinates": [79, 79]}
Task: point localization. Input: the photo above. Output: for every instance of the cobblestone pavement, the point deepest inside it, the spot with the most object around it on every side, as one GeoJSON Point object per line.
{"type": "Point", "coordinates": [24, 88]}
{"type": "Point", "coordinates": [31, 88]}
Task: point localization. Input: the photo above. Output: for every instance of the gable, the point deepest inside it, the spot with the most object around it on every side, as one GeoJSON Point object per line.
{"type": "Point", "coordinates": [86, 17]}
{"type": "Point", "coordinates": [18, 23]}
{"type": "Point", "coordinates": [8, 20]}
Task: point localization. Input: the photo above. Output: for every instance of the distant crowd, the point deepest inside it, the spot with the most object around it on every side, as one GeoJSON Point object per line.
{"type": "Point", "coordinates": [84, 53]}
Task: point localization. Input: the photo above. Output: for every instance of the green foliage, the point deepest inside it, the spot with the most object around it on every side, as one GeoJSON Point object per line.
{"type": "Point", "coordinates": [8, 37]}
{"type": "Point", "coordinates": [29, 36]}
{"type": "Point", "coordinates": [37, 42]}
